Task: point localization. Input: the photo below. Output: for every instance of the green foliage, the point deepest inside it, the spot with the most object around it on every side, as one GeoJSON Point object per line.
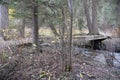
{"type": "Point", "coordinates": [80, 23]}
{"type": "Point", "coordinates": [4, 56]}
{"type": "Point", "coordinates": [106, 13]}
{"type": "Point", "coordinates": [3, 2]}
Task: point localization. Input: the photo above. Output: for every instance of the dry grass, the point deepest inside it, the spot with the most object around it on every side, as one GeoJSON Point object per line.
{"type": "Point", "coordinates": [46, 31]}
{"type": "Point", "coordinates": [46, 66]}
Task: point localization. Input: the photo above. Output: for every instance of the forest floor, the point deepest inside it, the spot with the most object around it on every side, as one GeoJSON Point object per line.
{"type": "Point", "coordinates": [46, 65]}
{"type": "Point", "coordinates": [30, 65]}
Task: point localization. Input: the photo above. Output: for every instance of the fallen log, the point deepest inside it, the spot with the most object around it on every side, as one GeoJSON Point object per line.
{"type": "Point", "coordinates": [15, 42]}
{"type": "Point", "coordinates": [7, 69]}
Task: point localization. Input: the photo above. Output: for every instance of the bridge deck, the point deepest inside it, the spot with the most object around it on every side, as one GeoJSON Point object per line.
{"type": "Point", "coordinates": [89, 37]}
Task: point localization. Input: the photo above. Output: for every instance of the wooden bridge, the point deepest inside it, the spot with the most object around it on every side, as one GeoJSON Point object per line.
{"type": "Point", "coordinates": [93, 41]}
{"type": "Point", "coordinates": [29, 40]}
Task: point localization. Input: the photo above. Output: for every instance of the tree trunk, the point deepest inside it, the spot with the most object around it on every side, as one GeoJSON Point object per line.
{"type": "Point", "coordinates": [118, 18]}
{"type": "Point", "coordinates": [87, 14]}
{"type": "Point", "coordinates": [52, 27]}
{"type": "Point", "coordinates": [22, 28]}
{"type": "Point", "coordinates": [22, 23]}
{"type": "Point", "coordinates": [68, 66]}
{"type": "Point", "coordinates": [63, 54]}
{"type": "Point", "coordinates": [94, 17]}
{"type": "Point", "coordinates": [35, 27]}
{"type": "Point", "coordinates": [3, 19]}
{"type": "Point", "coordinates": [117, 11]}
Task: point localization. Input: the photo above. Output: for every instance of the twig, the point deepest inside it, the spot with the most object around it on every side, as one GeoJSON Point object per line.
{"type": "Point", "coordinates": [10, 49]}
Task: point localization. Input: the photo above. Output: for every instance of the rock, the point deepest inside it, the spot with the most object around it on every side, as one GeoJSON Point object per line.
{"type": "Point", "coordinates": [46, 44]}
{"type": "Point", "coordinates": [109, 59]}
{"type": "Point", "coordinates": [100, 58]}
{"type": "Point", "coordinates": [112, 45]}
{"type": "Point", "coordinates": [1, 39]}
{"type": "Point", "coordinates": [116, 61]}
{"type": "Point", "coordinates": [76, 50]}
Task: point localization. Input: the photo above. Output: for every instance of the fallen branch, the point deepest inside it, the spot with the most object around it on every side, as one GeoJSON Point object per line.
{"type": "Point", "coordinates": [7, 69]}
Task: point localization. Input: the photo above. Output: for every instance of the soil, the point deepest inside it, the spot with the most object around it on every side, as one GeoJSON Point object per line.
{"type": "Point", "coordinates": [46, 65]}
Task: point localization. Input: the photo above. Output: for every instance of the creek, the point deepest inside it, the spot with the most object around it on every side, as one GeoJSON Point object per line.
{"type": "Point", "coordinates": [104, 57]}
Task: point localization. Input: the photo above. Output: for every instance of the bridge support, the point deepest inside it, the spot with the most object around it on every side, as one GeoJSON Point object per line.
{"type": "Point", "coordinates": [97, 44]}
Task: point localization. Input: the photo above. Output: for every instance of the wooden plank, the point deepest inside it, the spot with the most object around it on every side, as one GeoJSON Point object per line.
{"type": "Point", "coordinates": [89, 37]}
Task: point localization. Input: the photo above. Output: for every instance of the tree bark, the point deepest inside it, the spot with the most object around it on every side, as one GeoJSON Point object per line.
{"type": "Point", "coordinates": [22, 28]}
{"type": "Point", "coordinates": [117, 11]}
{"type": "Point", "coordinates": [52, 27]}
{"type": "Point", "coordinates": [22, 23]}
{"type": "Point", "coordinates": [118, 17]}
{"type": "Point", "coordinates": [94, 17]}
{"type": "Point", "coordinates": [63, 54]}
{"type": "Point", "coordinates": [87, 14]}
{"type": "Point", "coordinates": [68, 66]}
{"type": "Point", "coordinates": [3, 19]}
{"type": "Point", "coordinates": [35, 26]}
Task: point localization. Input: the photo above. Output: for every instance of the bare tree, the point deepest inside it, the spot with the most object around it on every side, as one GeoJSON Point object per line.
{"type": "Point", "coordinates": [118, 17]}
{"type": "Point", "coordinates": [68, 65]}
{"type": "Point", "coordinates": [23, 21]}
{"type": "Point", "coordinates": [63, 53]}
{"type": "Point", "coordinates": [94, 17]}
{"type": "Point", "coordinates": [35, 25]}
{"type": "Point", "coordinates": [22, 28]}
{"type": "Point", "coordinates": [52, 27]}
{"type": "Point", "coordinates": [87, 14]}
{"type": "Point", "coordinates": [3, 18]}
{"type": "Point", "coordinates": [91, 23]}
